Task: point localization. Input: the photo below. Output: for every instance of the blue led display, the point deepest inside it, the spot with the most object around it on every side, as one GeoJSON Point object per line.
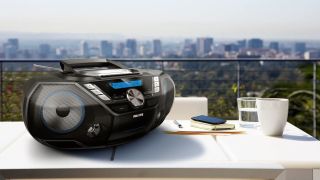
{"type": "Point", "coordinates": [127, 84]}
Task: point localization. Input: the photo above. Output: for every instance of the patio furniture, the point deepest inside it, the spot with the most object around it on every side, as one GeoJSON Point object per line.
{"type": "Point", "coordinates": [160, 155]}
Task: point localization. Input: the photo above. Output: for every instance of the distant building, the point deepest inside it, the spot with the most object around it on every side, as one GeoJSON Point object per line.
{"type": "Point", "coordinates": [119, 50]}
{"type": "Point", "coordinates": [157, 48]}
{"type": "Point", "coordinates": [242, 44]}
{"type": "Point", "coordinates": [274, 45]}
{"type": "Point", "coordinates": [105, 49]}
{"type": "Point", "coordinates": [84, 49]}
{"type": "Point", "coordinates": [189, 50]}
{"type": "Point", "coordinates": [26, 54]}
{"type": "Point", "coordinates": [14, 42]}
{"type": "Point", "coordinates": [142, 51]}
{"type": "Point", "coordinates": [231, 48]}
{"type": "Point", "coordinates": [204, 46]}
{"type": "Point", "coordinates": [255, 43]}
{"type": "Point", "coordinates": [44, 50]}
{"type": "Point", "coordinates": [314, 54]}
{"type": "Point", "coordinates": [131, 45]}
{"type": "Point", "coordinates": [61, 53]}
{"type": "Point", "coordinates": [10, 48]}
{"type": "Point", "coordinates": [300, 47]}
{"type": "Point", "coordinates": [187, 42]}
{"type": "Point", "coordinates": [10, 51]}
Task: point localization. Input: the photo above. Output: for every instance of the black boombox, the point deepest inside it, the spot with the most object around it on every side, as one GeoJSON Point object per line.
{"type": "Point", "coordinates": [95, 103]}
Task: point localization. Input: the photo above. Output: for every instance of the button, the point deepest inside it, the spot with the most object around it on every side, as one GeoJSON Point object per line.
{"type": "Point", "coordinates": [89, 86]}
{"type": "Point", "coordinates": [156, 89]}
{"type": "Point", "coordinates": [156, 84]}
{"type": "Point", "coordinates": [104, 97]}
{"type": "Point", "coordinates": [96, 91]}
{"type": "Point", "coordinates": [118, 96]}
{"type": "Point", "coordinates": [120, 108]}
{"type": "Point", "coordinates": [156, 79]}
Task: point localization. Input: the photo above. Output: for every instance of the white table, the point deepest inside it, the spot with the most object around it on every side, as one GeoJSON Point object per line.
{"type": "Point", "coordinates": [160, 155]}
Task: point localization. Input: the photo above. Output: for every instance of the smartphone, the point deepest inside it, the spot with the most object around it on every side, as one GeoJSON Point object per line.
{"type": "Point", "coordinates": [208, 119]}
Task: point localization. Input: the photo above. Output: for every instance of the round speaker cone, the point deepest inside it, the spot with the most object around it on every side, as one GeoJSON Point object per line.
{"type": "Point", "coordinates": [63, 111]}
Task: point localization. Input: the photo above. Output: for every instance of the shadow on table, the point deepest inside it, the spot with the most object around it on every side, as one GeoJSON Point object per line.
{"type": "Point", "coordinates": [298, 137]}
{"type": "Point", "coordinates": [154, 146]}
{"type": "Point", "coordinates": [159, 146]}
{"type": "Point", "coordinates": [43, 152]}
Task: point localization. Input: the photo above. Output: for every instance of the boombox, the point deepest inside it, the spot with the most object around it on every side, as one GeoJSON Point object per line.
{"type": "Point", "coordinates": [95, 103]}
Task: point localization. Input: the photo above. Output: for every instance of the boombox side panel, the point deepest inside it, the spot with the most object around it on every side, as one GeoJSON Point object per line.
{"type": "Point", "coordinates": [45, 123]}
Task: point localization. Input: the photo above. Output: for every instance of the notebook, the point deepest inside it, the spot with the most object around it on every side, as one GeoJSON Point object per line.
{"type": "Point", "coordinates": [207, 126]}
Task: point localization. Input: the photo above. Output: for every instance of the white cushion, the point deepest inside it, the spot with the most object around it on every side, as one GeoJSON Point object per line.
{"type": "Point", "coordinates": [184, 108]}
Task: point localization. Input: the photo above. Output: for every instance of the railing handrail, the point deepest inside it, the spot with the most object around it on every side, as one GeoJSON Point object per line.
{"type": "Point", "coordinates": [170, 59]}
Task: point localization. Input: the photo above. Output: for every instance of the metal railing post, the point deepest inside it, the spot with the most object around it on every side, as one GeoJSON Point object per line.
{"type": "Point", "coordinates": [1, 90]}
{"type": "Point", "coordinates": [238, 78]}
{"type": "Point", "coordinates": [162, 65]}
{"type": "Point", "coordinates": [314, 110]}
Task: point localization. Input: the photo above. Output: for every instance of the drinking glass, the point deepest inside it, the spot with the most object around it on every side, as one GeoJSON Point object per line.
{"type": "Point", "coordinates": [247, 108]}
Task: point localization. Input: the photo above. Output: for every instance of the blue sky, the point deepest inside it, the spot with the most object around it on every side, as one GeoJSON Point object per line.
{"type": "Point", "coordinates": [285, 19]}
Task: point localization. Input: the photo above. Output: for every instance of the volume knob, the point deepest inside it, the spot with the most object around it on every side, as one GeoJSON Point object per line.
{"type": "Point", "coordinates": [135, 97]}
{"type": "Point", "coordinates": [94, 130]}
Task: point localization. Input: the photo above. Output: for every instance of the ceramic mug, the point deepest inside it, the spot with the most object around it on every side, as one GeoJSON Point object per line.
{"type": "Point", "coordinates": [272, 115]}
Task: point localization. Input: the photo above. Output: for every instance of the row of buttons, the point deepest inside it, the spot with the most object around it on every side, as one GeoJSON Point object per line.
{"type": "Point", "coordinates": [156, 84]}
{"type": "Point", "coordinates": [96, 91]}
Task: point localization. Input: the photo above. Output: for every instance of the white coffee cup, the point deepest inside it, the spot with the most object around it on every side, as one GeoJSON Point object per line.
{"type": "Point", "coordinates": [272, 115]}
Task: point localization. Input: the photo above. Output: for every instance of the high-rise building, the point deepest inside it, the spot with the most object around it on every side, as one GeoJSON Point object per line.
{"type": "Point", "coordinates": [300, 47]}
{"type": "Point", "coordinates": [204, 46]}
{"type": "Point", "coordinates": [157, 47]}
{"type": "Point", "coordinates": [44, 50]}
{"type": "Point", "coordinates": [142, 50]}
{"type": "Point", "coordinates": [189, 50]}
{"type": "Point", "coordinates": [105, 49]}
{"type": "Point", "coordinates": [14, 42]}
{"type": "Point", "coordinates": [255, 43]}
{"type": "Point", "coordinates": [11, 48]}
{"type": "Point", "coordinates": [242, 44]}
{"type": "Point", "coordinates": [131, 44]}
{"type": "Point", "coordinates": [187, 42]}
{"type": "Point", "coordinates": [120, 49]}
{"type": "Point", "coordinates": [10, 51]}
{"type": "Point", "coordinates": [84, 49]}
{"type": "Point", "coordinates": [274, 45]}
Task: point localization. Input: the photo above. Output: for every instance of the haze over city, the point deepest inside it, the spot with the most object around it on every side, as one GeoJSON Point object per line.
{"type": "Point", "coordinates": [160, 28]}
{"type": "Point", "coordinates": [267, 19]}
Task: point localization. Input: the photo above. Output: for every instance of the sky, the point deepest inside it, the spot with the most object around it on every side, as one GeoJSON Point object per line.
{"type": "Point", "coordinates": [273, 19]}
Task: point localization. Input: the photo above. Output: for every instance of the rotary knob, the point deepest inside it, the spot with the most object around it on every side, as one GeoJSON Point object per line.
{"type": "Point", "coordinates": [135, 97]}
{"type": "Point", "coordinates": [94, 130]}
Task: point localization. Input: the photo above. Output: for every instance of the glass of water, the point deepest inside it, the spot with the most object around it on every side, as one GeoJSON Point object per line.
{"type": "Point", "coordinates": [248, 116]}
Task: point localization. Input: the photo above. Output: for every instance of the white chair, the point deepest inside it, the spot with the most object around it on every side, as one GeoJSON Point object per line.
{"type": "Point", "coordinates": [184, 108]}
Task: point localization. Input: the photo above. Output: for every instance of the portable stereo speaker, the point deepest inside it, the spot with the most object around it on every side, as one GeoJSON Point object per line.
{"type": "Point", "coordinates": [95, 103]}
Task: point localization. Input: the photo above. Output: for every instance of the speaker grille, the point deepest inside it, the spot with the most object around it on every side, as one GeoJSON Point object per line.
{"type": "Point", "coordinates": [62, 111]}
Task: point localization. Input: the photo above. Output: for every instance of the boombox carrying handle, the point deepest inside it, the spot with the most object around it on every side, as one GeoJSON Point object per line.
{"type": "Point", "coordinates": [68, 66]}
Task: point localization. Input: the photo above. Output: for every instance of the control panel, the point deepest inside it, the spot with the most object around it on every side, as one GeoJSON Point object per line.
{"type": "Point", "coordinates": [97, 91]}
{"type": "Point", "coordinates": [117, 89]}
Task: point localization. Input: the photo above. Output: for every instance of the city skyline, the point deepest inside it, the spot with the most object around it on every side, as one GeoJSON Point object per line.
{"type": "Point", "coordinates": [201, 47]}
{"type": "Point", "coordinates": [268, 19]}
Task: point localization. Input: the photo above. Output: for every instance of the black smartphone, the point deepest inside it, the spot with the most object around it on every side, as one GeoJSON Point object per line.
{"type": "Point", "coordinates": [208, 119]}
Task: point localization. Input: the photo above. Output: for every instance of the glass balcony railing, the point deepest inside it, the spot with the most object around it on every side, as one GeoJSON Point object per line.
{"type": "Point", "coordinates": [221, 81]}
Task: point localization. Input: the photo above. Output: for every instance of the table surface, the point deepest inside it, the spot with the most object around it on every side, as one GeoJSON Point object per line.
{"type": "Point", "coordinates": [252, 150]}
